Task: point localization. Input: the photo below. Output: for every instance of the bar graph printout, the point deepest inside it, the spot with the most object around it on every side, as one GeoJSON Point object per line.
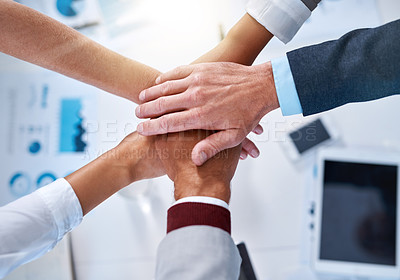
{"type": "Point", "coordinates": [44, 119]}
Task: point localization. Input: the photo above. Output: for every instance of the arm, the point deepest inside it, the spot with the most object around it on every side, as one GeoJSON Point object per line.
{"type": "Point", "coordinates": [34, 224]}
{"type": "Point", "coordinates": [36, 38]}
{"type": "Point", "coordinates": [242, 44]}
{"type": "Point", "coordinates": [282, 18]}
{"type": "Point", "coordinates": [223, 96]}
{"type": "Point", "coordinates": [31, 36]}
{"type": "Point", "coordinates": [363, 65]}
{"type": "Point", "coordinates": [264, 20]}
{"type": "Point", "coordinates": [132, 160]}
{"type": "Point", "coordinates": [198, 242]}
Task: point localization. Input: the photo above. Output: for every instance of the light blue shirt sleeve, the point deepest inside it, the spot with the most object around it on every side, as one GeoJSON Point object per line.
{"type": "Point", "coordinates": [285, 87]}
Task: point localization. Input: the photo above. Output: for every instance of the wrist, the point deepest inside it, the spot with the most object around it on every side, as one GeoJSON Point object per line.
{"type": "Point", "coordinates": [269, 94]}
{"type": "Point", "coordinates": [145, 79]}
{"type": "Point", "coordinates": [138, 158]}
{"type": "Point", "coordinates": [124, 162]}
{"type": "Point", "coordinates": [194, 186]}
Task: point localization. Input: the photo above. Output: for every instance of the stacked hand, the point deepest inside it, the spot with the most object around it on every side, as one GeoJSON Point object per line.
{"type": "Point", "coordinates": [212, 179]}
{"type": "Point", "coordinates": [144, 157]}
{"type": "Point", "coordinates": [224, 97]}
{"type": "Point", "coordinates": [138, 153]}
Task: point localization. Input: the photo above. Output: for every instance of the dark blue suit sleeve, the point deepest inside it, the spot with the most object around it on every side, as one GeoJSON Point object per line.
{"type": "Point", "coordinates": [362, 65]}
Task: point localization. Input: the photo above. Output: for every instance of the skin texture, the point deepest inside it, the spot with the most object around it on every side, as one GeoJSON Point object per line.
{"type": "Point", "coordinates": [228, 97]}
{"type": "Point", "coordinates": [211, 179]}
{"type": "Point", "coordinates": [132, 160]}
{"type": "Point", "coordinates": [33, 37]}
{"type": "Point", "coordinates": [242, 44]}
{"type": "Point", "coordinates": [139, 157]}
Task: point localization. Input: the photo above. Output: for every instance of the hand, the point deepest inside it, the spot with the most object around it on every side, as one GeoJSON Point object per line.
{"type": "Point", "coordinates": [212, 179]}
{"type": "Point", "coordinates": [141, 158]}
{"type": "Point", "coordinates": [226, 97]}
{"type": "Point", "coordinates": [132, 160]}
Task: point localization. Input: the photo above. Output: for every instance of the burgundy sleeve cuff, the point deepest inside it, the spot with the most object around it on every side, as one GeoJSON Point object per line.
{"type": "Point", "coordinates": [198, 214]}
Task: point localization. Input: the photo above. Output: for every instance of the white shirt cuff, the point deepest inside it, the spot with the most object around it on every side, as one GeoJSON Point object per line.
{"type": "Point", "coordinates": [283, 18]}
{"type": "Point", "coordinates": [203, 199]}
{"type": "Point", "coordinates": [64, 205]}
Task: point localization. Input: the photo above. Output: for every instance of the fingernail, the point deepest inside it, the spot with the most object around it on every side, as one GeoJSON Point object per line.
{"type": "Point", "coordinates": [254, 153]}
{"type": "Point", "coordinates": [258, 130]}
{"type": "Point", "coordinates": [243, 156]}
{"type": "Point", "coordinates": [158, 80]}
{"type": "Point", "coordinates": [142, 96]}
{"type": "Point", "coordinates": [137, 111]}
{"type": "Point", "coordinates": [140, 128]}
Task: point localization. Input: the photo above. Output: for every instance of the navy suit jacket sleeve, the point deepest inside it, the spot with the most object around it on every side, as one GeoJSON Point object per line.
{"type": "Point", "coordinates": [362, 65]}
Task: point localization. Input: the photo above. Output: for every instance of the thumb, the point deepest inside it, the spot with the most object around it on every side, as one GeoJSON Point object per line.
{"type": "Point", "coordinates": [213, 144]}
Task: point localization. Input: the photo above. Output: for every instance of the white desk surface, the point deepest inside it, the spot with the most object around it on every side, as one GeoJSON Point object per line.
{"type": "Point", "coordinates": [118, 240]}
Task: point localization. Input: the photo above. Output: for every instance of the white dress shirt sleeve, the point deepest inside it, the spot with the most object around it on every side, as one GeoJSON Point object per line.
{"type": "Point", "coordinates": [32, 225]}
{"type": "Point", "coordinates": [283, 18]}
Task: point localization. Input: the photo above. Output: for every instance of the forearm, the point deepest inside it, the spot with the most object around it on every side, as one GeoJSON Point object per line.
{"type": "Point", "coordinates": [33, 225]}
{"type": "Point", "coordinates": [242, 44]}
{"type": "Point", "coordinates": [31, 36]}
{"type": "Point", "coordinates": [101, 178]}
{"type": "Point", "coordinates": [362, 65]}
{"type": "Point", "coordinates": [202, 231]}
{"type": "Point", "coordinates": [206, 248]}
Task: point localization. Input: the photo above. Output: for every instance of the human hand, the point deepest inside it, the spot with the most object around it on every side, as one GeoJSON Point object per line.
{"type": "Point", "coordinates": [132, 160]}
{"type": "Point", "coordinates": [212, 179]}
{"type": "Point", "coordinates": [226, 97]}
{"type": "Point", "coordinates": [138, 154]}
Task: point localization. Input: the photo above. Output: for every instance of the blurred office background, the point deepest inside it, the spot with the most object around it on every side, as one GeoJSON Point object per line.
{"type": "Point", "coordinates": [270, 195]}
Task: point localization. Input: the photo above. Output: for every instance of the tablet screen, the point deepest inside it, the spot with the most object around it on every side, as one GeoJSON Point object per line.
{"type": "Point", "coordinates": [359, 213]}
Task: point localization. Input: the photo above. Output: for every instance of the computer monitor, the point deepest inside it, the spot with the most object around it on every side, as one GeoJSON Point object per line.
{"type": "Point", "coordinates": [357, 214]}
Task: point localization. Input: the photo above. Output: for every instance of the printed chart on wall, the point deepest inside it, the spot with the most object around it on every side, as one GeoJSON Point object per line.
{"type": "Point", "coordinates": [45, 120]}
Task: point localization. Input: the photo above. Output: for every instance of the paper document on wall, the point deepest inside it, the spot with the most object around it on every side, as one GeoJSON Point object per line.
{"type": "Point", "coordinates": [45, 132]}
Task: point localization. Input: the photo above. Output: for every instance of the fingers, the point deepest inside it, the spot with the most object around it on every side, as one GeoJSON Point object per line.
{"type": "Point", "coordinates": [175, 74]}
{"type": "Point", "coordinates": [258, 130]}
{"type": "Point", "coordinates": [161, 106]}
{"type": "Point", "coordinates": [243, 154]}
{"type": "Point", "coordinates": [213, 144]}
{"type": "Point", "coordinates": [250, 148]}
{"type": "Point", "coordinates": [174, 122]}
{"type": "Point", "coordinates": [164, 89]}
